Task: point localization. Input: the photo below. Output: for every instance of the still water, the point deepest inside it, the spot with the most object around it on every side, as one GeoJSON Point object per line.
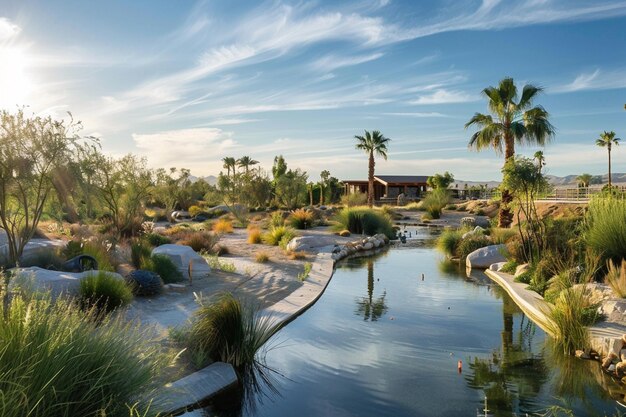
{"type": "Point", "coordinates": [383, 342]}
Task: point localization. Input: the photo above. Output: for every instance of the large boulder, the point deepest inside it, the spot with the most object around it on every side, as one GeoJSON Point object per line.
{"type": "Point", "coordinates": [484, 257]}
{"type": "Point", "coordinates": [310, 243]}
{"type": "Point", "coordinates": [33, 249]}
{"type": "Point", "coordinates": [57, 282]}
{"type": "Point", "coordinates": [185, 257]}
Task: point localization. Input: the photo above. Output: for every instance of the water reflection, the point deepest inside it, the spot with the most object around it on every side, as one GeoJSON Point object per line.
{"type": "Point", "coordinates": [371, 308]}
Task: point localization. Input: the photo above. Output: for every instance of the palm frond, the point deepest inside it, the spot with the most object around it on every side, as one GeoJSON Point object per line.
{"type": "Point", "coordinates": [528, 94]}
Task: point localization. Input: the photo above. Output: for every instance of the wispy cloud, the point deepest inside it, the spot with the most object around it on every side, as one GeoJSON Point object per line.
{"type": "Point", "coordinates": [332, 62]}
{"type": "Point", "coordinates": [418, 114]}
{"type": "Point", "coordinates": [443, 96]}
{"type": "Point", "coordinates": [8, 29]}
{"type": "Point", "coordinates": [596, 80]}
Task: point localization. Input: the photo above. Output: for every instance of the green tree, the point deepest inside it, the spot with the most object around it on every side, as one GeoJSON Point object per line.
{"type": "Point", "coordinates": [584, 180]}
{"type": "Point", "coordinates": [172, 188]}
{"type": "Point", "coordinates": [541, 160]}
{"type": "Point", "coordinates": [440, 181]}
{"type": "Point", "coordinates": [608, 140]}
{"type": "Point", "coordinates": [229, 163]}
{"type": "Point", "coordinates": [372, 143]}
{"type": "Point", "coordinates": [291, 188]}
{"type": "Point", "coordinates": [324, 175]}
{"type": "Point", "coordinates": [246, 162]}
{"type": "Point", "coordinates": [280, 167]}
{"type": "Point", "coordinates": [513, 119]}
{"type": "Point", "coordinates": [31, 149]}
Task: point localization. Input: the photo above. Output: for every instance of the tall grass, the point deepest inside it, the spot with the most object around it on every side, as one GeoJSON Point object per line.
{"type": "Point", "coordinates": [570, 318]}
{"type": "Point", "coordinates": [279, 235]}
{"type": "Point", "coordinates": [201, 240]}
{"type": "Point", "coordinates": [606, 227]}
{"type": "Point", "coordinates": [104, 292]}
{"type": "Point", "coordinates": [448, 241]}
{"type": "Point", "coordinates": [435, 202]}
{"type": "Point", "coordinates": [96, 249]}
{"type": "Point", "coordinates": [301, 219]}
{"type": "Point", "coordinates": [223, 226]}
{"type": "Point", "coordinates": [470, 244]}
{"type": "Point", "coordinates": [616, 278]}
{"type": "Point", "coordinates": [57, 361]}
{"type": "Point", "coordinates": [254, 235]}
{"type": "Point", "coordinates": [354, 199]}
{"type": "Point", "coordinates": [230, 330]}
{"type": "Point", "coordinates": [363, 220]}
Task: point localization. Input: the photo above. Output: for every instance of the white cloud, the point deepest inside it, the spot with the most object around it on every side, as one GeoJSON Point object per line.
{"type": "Point", "coordinates": [596, 80]}
{"type": "Point", "coordinates": [417, 114]}
{"type": "Point", "coordinates": [332, 62]}
{"type": "Point", "coordinates": [443, 96]}
{"type": "Point", "coordinates": [8, 29]}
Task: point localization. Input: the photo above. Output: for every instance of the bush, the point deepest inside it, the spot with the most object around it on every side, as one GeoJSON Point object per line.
{"type": "Point", "coordinates": [277, 219]}
{"type": "Point", "coordinates": [278, 234]}
{"type": "Point", "coordinates": [354, 199]}
{"type": "Point", "coordinates": [56, 360]}
{"type": "Point", "coordinates": [414, 207]}
{"type": "Point", "coordinates": [156, 239]}
{"type": "Point", "coordinates": [201, 241]}
{"type": "Point", "coordinates": [510, 267]}
{"type": "Point", "coordinates": [163, 265]}
{"type": "Point", "coordinates": [305, 273]}
{"type": "Point", "coordinates": [223, 226]}
{"type": "Point", "coordinates": [195, 210]}
{"type": "Point", "coordinates": [262, 257]}
{"type": "Point", "coordinates": [569, 317]}
{"type": "Point", "coordinates": [297, 255]}
{"type": "Point", "coordinates": [448, 241]}
{"type": "Point", "coordinates": [230, 330]}
{"type": "Point", "coordinates": [525, 277]}
{"type": "Point", "coordinates": [139, 253]}
{"type": "Point", "coordinates": [301, 219]}
{"type": "Point", "coordinates": [104, 292]}
{"type": "Point", "coordinates": [96, 249]}
{"type": "Point", "coordinates": [363, 220]}
{"type": "Point", "coordinates": [616, 278]}
{"type": "Point", "coordinates": [606, 227]}
{"type": "Point", "coordinates": [436, 201]}
{"type": "Point", "coordinates": [470, 244]}
{"type": "Point", "coordinates": [254, 235]}
{"type": "Point", "coordinates": [501, 235]}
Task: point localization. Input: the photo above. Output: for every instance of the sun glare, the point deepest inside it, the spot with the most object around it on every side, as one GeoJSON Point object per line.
{"type": "Point", "coordinates": [15, 83]}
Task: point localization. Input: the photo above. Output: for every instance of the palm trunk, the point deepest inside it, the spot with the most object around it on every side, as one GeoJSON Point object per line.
{"type": "Point", "coordinates": [609, 147]}
{"type": "Point", "coordinates": [370, 181]}
{"type": "Point", "coordinates": [505, 216]}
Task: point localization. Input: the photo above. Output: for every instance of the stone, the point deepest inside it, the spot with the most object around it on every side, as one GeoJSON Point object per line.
{"type": "Point", "coordinates": [57, 282]}
{"type": "Point", "coordinates": [468, 222]}
{"type": "Point", "coordinates": [497, 266]}
{"type": "Point", "coordinates": [33, 249]}
{"type": "Point", "coordinates": [484, 257]}
{"type": "Point", "coordinates": [185, 257]}
{"type": "Point", "coordinates": [310, 243]}
{"type": "Point", "coordinates": [176, 287]}
{"type": "Point", "coordinates": [368, 246]}
{"type": "Point", "coordinates": [180, 214]}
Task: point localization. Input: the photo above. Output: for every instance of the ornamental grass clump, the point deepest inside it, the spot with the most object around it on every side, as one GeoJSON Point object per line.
{"type": "Point", "coordinates": [254, 235]}
{"type": "Point", "coordinates": [366, 221]}
{"type": "Point", "coordinates": [435, 202]}
{"type": "Point", "coordinates": [201, 241]}
{"type": "Point", "coordinates": [301, 219]}
{"type": "Point", "coordinates": [605, 230]}
{"type": "Point", "coordinates": [278, 235]}
{"type": "Point", "coordinates": [223, 226]}
{"type": "Point", "coordinates": [616, 278]}
{"type": "Point", "coordinates": [230, 330]}
{"type": "Point", "coordinates": [58, 361]}
{"type": "Point", "coordinates": [571, 315]}
{"type": "Point", "coordinates": [104, 292]}
{"type": "Point", "coordinates": [448, 241]}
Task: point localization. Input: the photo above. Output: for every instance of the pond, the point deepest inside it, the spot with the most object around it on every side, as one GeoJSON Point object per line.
{"type": "Point", "coordinates": [383, 342]}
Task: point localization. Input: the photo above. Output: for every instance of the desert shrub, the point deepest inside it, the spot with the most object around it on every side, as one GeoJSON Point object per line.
{"type": "Point", "coordinates": [306, 271]}
{"type": "Point", "coordinates": [515, 249]}
{"type": "Point", "coordinates": [426, 217]}
{"type": "Point", "coordinates": [156, 239]}
{"type": "Point", "coordinates": [434, 202]}
{"type": "Point", "coordinates": [277, 219]}
{"type": "Point", "coordinates": [606, 227]}
{"type": "Point", "coordinates": [451, 207]}
{"type": "Point", "coordinates": [354, 199]}
{"type": "Point", "coordinates": [230, 330]}
{"type": "Point", "coordinates": [414, 206]}
{"type": "Point", "coordinates": [297, 255]}
{"type": "Point", "coordinates": [163, 265]}
{"type": "Point", "coordinates": [470, 244]}
{"type": "Point", "coordinates": [56, 360]}
{"type": "Point", "coordinates": [448, 241]}
{"type": "Point", "coordinates": [616, 278]}
{"type": "Point", "coordinates": [525, 277]}
{"type": "Point", "coordinates": [220, 250]}
{"type": "Point", "coordinates": [363, 220]}
{"type": "Point", "coordinates": [510, 267]}
{"type": "Point", "coordinates": [254, 235]}
{"type": "Point", "coordinates": [501, 235]}
{"type": "Point", "coordinates": [216, 263]}
{"type": "Point", "coordinates": [569, 319]}
{"type": "Point", "coordinates": [195, 210]}
{"type": "Point", "coordinates": [223, 226]}
{"type": "Point", "coordinates": [139, 253]}
{"type": "Point", "coordinates": [104, 292]}
{"type": "Point", "coordinates": [301, 219]}
{"type": "Point", "coordinates": [262, 257]}
{"type": "Point", "coordinates": [278, 234]}
{"type": "Point", "coordinates": [200, 241]}
{"type": "Point", "coordinates": [98, 250]}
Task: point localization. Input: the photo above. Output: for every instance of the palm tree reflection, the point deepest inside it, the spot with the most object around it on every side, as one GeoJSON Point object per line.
{"type": "Point", "coordinates": [369, 307]}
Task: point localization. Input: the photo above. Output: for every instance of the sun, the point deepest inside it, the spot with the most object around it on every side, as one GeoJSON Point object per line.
{"type": "Point", "coordinates": [15, 83]}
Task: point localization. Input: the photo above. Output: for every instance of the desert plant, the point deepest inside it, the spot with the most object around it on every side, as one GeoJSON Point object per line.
{"type": "Point", "coordinates": [139, 253]}
{"type": "Point", "coordinates": [305, 273]}
{"type": "Point", "coordinates": [297, 255]}
{"type": "Point", "coordinates": [98, 250]}
{"type": "Point", "coordinates": [200, 241]}
{"type": "Point", "coordinates": [414, 206]}
{"type": "Point", "coordinates": [156, 239]}
{"type": "Point", "coordinates": [354, 199]}
{"type": "Point", "coordinates": [56, 360]}
{"type": "Point", "coordinates": [501, 236]}
{"type": "Point", "coordinates": [278, 234]}
{"type": "Point", "coordinates": [372, 143]}
{"type": "Point", "coordinates": [616, 278]}
{"type": "Point", "coordinates": [104, 292]}
{"type": "Point", "coordinates": [223, 226]}
{"type": "Point", "coordinates": [163, 265]}
{"type": "Point", "coordinates": [470, 244]}
{"type": "Point", "coordinates": [434, 202]}
{"type": "Point", "coordinates": [569, 319]}
{"type": "Point", "coordinates": [510, 267]}
{"type": "Point", "coordinates": [215, 263]}
{"type": "Point", "coordinates": [363, 220]}
{"type": "Point", "coordinates": [277, 219]}
{"type": "Point", "coordinates": [254, 235]}
{"type": "Point", "coordinates": [605, 230]}
{"type": "Point", "coordinates": [448, 241]}
{"type": "Point", "coordinates": [230, 330]}
{"type": "Point", "coordinates": [262, 257]}
{"type": "Point", "coordinates": [301, 219]}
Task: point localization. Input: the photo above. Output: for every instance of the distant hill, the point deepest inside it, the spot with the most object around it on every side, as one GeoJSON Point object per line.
{"type": "Point", "coordinates": [211, 179]}
{"type": "Point", "coordinates": [571, 181]}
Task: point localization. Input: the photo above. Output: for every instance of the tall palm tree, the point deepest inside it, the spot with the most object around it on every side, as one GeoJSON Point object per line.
{"type": "Point", "coordinates": [324, 175]}
{"type": "Point", "coordinates": [245, 162]}
{"type": "Point", "coordinates": [607, 140]}
{"type": "Point", "coordinates": [584, 180]}
{"type": "Point", "coordinates": [372, 143]}
{"type": "Point", "coordinates": [541, 160]}
{"type": "Point", "coordinates": [229, 163]}
{"type": "Point", "coordinates": [512, 119]}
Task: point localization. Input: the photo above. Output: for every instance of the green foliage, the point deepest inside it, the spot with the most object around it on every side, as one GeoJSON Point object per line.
{"type": "Point", "coordinates": [104, 292]}
{"type": "Point", "coordinates": [440, 180]}
{"type": "Point", "coordinates": [230, 330]}
{"type": "Point", "coordinates": [354, 199]}
{"type": "Point", "coordinates": [98, 250]}
{"type": "Point", "coordinates": [164, 267]}
{"type": "Point", "coordinates": [448, 241]}
{"type": "Point", "coordinates": [525, 277]}
{"type": "Point", "coordinates": [216, 263]}
{"type": "Point", "coordinates": [278, 234]}
{"type": "Point", "coordinates": [277, 219]}
{"type": "Point", "coordinates": [605, 231]}
{"type": "Point", "coordinates": [501, 235]}
{"type": "Point", "coordinates": [363, 220]}
{"type": "Point", "coordinates": [305, 273]}
{"type": "Point", "coordinates": [302, 219]}
{"type": "Point", "coordinates": [436, 201]}
{"type": "Point", "coordinates": [509, 267]}
{"type": "Point", "coordinates": [140, 253]}
{"type": "Point", "coordinates": [56, 360]}
{"type": "Point", "coordinates": [616, 278]}
{"type": "Point", "coordinates": [470, 244]}
{"type": "Point", "coordinates": [156, 239]}
{"type": "Point", "coordinates": [291, 188]}
{"type": "Point", "coordinates": [569, 317]}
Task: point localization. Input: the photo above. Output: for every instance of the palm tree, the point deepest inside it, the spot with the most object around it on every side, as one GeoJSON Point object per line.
{"type": "Point", "coordinates": [607, 140]}
{"type": "Point", "coordinates": [584, 180]}
{"type": "Point", "coordinates": [229, 162]}
{"type": "Point", "coordinates": [541, 160]}
{"type": "Point", "coordinates": [324, 175]}
{"type": "Point", "coordinates": [512, 119]}
{"type": "Point", "coordinates": [372, 143]}
{"type": "Point", "coordinates": [245, 162]}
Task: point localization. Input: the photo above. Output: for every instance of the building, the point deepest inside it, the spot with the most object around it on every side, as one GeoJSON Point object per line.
{"type": "Point", "coordinates": [388, 187]}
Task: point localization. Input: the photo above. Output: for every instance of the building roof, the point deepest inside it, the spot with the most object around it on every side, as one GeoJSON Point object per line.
{"type": "Point", "coordinates": [402, 179]}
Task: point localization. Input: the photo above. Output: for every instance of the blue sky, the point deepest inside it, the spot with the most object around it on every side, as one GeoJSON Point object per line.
{"type": "Point", "coordinates": [186, 83]}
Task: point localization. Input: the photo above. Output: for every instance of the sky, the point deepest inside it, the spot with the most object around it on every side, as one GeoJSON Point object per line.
{"type": "Point", "coordinates": [186, 83]}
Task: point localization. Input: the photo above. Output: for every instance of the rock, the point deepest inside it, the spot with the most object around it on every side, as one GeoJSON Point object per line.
{"type": "Point", "coordinates": [613, 310]}
{"type": "Point", "coordinates": [497, 266]}
{"type": "Point", "coordinates": [57, 282]}
{"type": "Point", "coordinates": [184, 257]}
{"type": "Point", "coordinates": [368, 246]}
{"type": "Point", "coordinates": [145, 282]}
{"type": "Point", "coordinates": [180, 214]}
{"type": "Point", "coordinates": [344, 233]}
{"type": "Point", "coordinates": [224, 209]}
{"type": "Point", "coordinates": [33, 249]}
{"type": "Point", "coordinates": [310, 243]}
{"type": "Point", "coordinates": [176, 287]}
{"type": "Point", "coordinates": [468, 222]}
{"type": "Point", "coordinates": [581, 354]}
{"type": "Point", "coordinates": [521, 269]}
{"type": "Point", "coordinates": [484, 257]}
